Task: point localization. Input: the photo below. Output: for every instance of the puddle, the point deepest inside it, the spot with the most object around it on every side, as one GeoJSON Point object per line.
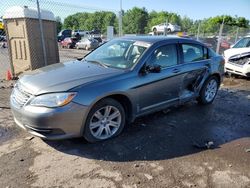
{"type": "Point", "coordinates": [231, 82]}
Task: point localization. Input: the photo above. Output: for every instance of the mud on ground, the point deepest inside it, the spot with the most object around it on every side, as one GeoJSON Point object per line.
{"type": "Point", "coordinates": [164, 149]}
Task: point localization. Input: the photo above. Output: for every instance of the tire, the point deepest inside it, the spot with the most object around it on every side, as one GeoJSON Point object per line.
{"type": "Point", "coordinates": [213, 83]}
{"type": "Point", "coordinates": [169, 30]}
{"type": "Point", "coordinates": [101, 123]}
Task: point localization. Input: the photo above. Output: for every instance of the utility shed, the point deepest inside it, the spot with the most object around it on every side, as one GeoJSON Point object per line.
{"type": "Point", "coordinates": [25, 39]}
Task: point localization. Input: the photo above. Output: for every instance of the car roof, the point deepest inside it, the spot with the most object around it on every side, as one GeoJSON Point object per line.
{"type": "Point", "coordinates": [155, 39]}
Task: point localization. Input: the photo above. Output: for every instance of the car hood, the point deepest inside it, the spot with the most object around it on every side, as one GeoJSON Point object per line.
{"type": "Point", "coordinates": [64, 76]}
{"type": "Point", "coordinates": [235, 51]}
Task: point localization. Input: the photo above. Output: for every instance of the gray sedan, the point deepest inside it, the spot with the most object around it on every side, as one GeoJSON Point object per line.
{"type": "Point", "coordinates": [87, 44]}
{"type": "Point", "coordinates": [123, 79]}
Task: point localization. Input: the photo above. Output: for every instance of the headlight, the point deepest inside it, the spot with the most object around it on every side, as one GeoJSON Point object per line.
{"type": "Point", "coordinates": [53, 99]}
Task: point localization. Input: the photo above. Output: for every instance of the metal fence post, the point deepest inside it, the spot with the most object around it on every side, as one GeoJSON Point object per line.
{"type": "Point", "coordinates": [237, 33]}
{"type": "Point", "coordinates": [220, 33]}
{"type": "Point", "coordinates": [198, 31]}
{"type": "Point", "coordinates": [42, 34]}
{"type": "Point", "coordinates": [120, 19]}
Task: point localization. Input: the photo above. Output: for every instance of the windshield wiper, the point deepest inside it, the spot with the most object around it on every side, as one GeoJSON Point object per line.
{"type": "Point", "coordinates": [97, 62]}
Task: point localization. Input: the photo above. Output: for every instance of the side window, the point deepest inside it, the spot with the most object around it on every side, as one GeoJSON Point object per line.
{"type": "Point", "coordinates": [165, 56]}
{"type": "Point", "coordinates": [192, 52]}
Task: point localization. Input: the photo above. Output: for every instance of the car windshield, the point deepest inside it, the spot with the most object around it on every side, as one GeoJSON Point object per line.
{"type": "Point", "coordinates": [243, 43]}
{"type": "Point", "coordinates": [122, 54]}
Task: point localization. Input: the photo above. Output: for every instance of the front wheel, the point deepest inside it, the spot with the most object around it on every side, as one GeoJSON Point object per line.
{"type": "Point", "coordinates": [209, 91]}
{"type": "Point", "coordinates": [105, 120]}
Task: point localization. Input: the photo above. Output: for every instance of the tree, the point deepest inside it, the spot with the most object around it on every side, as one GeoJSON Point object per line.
{"type": "Point", "coordinates": [71, 22]}
{"type": "Point", "coordinates": [186, 23]}
{"type": "Point", "coordinates": [89, 21]}
{"type": "Point", "coordinates": [139, 21]}
{"type": "Point", "coordinates": [135, 20]}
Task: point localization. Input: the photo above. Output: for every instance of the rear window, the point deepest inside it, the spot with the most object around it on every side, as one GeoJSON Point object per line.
{"type": "Point", "coordinates": [192, 52]}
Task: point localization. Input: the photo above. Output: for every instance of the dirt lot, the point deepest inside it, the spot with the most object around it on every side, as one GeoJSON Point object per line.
{"type": "Point", "coordinates": [165, 149]}
{"type": "Point", "coordinates": [64, 54]}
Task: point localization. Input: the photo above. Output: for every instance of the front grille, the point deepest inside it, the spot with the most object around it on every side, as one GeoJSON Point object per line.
{"type": "Point", "coordinates": [240, 62]}
{"type": "Point", "coordinates": [19, 97]}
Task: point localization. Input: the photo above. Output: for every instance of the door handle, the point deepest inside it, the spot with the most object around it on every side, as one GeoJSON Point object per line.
{"type": "Point", "coordinates": [176, 70]}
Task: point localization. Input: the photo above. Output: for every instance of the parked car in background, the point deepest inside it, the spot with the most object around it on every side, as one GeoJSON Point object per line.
{"type": "Point", "coordinates": [69, 42]}
{"type": "Point", "coordinates": [64, 34]}
{"type": "Point", "coordinates": [82, 33]}
{"type": "Point", "coordinates": [95, 32]}
{"type": "Point", "coordinates": [237, 58]}
{"type": "Point", "coordinates": [170, 28]}
{"type": "Point", "coordinates": [225, 44]}
{"type": "Point", "coordinates": [87, 44]}
{"type": "Point", "coordinates": [99, 39]}
{"type": "Point", "coordinates": [3, 38]}
{"type": "Point", "coordinates": [121, 80]}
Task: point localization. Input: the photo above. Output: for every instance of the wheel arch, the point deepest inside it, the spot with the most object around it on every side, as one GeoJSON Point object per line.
{"type": "Point", "coordinates": [123, 99]}
{"type": "Point", "coordinates": [125, 102]}
{"type": "Point", "coordinates": [217, 75]}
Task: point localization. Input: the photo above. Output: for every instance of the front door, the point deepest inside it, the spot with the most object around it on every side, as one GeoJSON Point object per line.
{"type": "Point", "coordinates": [159, 89]}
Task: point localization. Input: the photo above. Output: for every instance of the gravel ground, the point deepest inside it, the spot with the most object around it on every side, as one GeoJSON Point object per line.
{"type": "Point", "coordinates": [164, 149]}
{"type": "Point", "coordinates": [185, 146]}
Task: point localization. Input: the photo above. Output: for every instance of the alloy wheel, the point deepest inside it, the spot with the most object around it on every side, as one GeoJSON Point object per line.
{"type": "Point", "coordinates": [211, 90]}
{"type": "Point", "coordinates": [105, 122]}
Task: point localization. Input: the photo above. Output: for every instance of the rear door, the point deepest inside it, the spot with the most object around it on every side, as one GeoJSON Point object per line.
{"type": "Point", "coordinates": [195, 68]}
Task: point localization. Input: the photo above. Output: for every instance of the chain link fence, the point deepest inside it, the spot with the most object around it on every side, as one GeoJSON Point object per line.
{"type": "Point", "coordinates": [79, 29]}
{"type": "Point", "coordinates": [72, 41]}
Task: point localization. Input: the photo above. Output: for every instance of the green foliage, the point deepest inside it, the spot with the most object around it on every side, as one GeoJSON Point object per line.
{"type": "Point", "coordinates": [140, 21]}
{"type": "Point", "coordinates": [89, 21]}
{"type": "Point", "coordinates": [135, 20]}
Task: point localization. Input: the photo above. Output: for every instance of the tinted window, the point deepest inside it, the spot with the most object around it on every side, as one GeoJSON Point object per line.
{"type": "Point", "coordinates": [245, 42]}
{"type": "Point", "coordinates": [192, 52]}
{"type": "Point", "coordinates": [165, 56]}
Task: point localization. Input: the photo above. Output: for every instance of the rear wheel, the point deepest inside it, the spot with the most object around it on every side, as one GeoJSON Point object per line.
{"type": "Point", "coordinates": [105, 120]}
{"type": "Point", "coordinates": [209, 90]}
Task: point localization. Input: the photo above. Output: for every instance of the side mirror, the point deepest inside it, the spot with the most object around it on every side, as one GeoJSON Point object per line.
{"type": "Point", "coordinates": [153, 68]}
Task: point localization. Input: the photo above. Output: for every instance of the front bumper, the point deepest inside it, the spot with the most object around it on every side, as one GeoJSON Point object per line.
{"type": "Point", "coordinates": [243, 70]}
{"type": "Point", "coordinates": [51, 123]}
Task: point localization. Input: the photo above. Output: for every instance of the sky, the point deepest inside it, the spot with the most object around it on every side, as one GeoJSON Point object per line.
{"type": "Point", "coordinates": [194, 9]}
